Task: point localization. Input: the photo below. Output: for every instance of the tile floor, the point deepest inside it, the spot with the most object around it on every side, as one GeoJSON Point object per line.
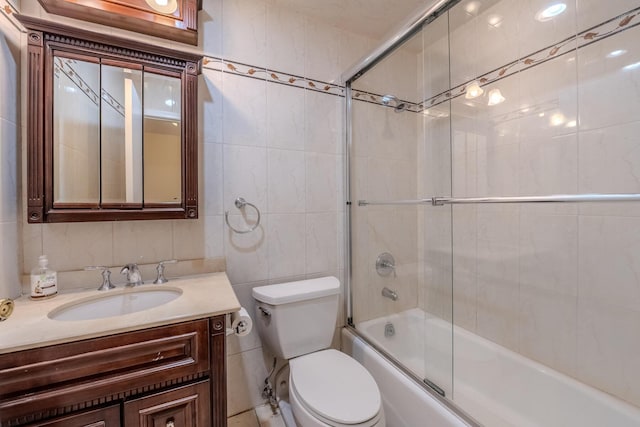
{"type": "Point", "coordinates": [260, 416]}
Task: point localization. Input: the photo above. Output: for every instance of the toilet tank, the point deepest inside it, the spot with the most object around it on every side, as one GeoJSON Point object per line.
{"type": "Point", "coordinates": [297, 318]}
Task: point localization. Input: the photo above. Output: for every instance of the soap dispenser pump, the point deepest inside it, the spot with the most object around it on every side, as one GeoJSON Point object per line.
{"type": "Point", "coordinates": [44, 281]}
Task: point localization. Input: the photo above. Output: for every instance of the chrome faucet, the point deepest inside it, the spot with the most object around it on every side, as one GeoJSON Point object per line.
{"type": "Point", "coordinates": [106, 277]}
{"type": "Point", "coordinates": [134, 278]}
{"type": "Point", "coordinates": [388, 293]}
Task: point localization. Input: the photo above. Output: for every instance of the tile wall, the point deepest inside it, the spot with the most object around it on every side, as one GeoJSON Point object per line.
{"type": "Point", "coordinates": [277, 145]}
{"type": "Point", "coordinates": [384, 167]}
{"type": "Point", "coordinates": [557, 283]}
{"type": "Point", "coordinates": [10, 137]}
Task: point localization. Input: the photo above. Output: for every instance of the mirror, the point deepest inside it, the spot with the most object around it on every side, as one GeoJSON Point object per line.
{"type": "Point", "coordinates": [112, 127]}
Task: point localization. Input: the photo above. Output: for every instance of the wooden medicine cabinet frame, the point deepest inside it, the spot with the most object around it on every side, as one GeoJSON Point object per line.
{"type": "Point", "coordinates": [45, 38]}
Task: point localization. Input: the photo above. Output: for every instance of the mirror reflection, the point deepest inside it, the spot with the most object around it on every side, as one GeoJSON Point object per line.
{"type": "Point", "coordinates": [162, 136]}
{"type": "Point", "coordinates": [76, 131]}
{"type": "Point", "coordinates": [121, 148]}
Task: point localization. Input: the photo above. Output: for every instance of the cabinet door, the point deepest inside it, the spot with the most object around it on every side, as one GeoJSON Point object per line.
{"type": "Point", "coordinates": [186, 406]}
{"type": "Point", "coordinates": [103, 417]}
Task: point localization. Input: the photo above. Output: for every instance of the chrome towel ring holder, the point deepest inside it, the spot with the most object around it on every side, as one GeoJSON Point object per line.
{"type": "Point", "coordinates": [240, 204]}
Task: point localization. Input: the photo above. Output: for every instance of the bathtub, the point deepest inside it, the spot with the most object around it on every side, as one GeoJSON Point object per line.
{"type": "Point", "coordinates": [494, 385]}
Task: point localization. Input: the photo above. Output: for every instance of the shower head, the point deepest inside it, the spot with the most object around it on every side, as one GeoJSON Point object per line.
{"type": "Point", "coordinates": [392, 101]}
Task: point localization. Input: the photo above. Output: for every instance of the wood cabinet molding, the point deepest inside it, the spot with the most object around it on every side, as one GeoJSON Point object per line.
{"type": "Point", "coordinates": [134, 15]}
{"type": "Point", "coordinates": [167, 367]}
{"type": "Point", "coordinates": [45, 38]}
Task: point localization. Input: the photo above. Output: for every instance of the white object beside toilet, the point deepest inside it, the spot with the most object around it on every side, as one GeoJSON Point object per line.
{"type": "Point", "coordinates": [296, 321]}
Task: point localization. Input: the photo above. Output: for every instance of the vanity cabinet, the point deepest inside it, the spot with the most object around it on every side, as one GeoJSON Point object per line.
{"type": "Point", "coordinates": [171, 375]}
{"type": "Point", "coordinates": [102, 417]}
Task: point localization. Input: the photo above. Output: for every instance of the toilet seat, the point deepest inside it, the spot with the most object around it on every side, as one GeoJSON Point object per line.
{"type": "Point", "coordinates": [335, 389]}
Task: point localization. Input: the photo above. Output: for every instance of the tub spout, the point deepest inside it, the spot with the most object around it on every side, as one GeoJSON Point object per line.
{"type": "Point", "coordinates": [388, 293]}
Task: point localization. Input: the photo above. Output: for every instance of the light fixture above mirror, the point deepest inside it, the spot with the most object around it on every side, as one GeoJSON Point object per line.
{"type": "Point", "coordinates": [163, 6]}
{"type": "Point", "coordinates": [168, 19]}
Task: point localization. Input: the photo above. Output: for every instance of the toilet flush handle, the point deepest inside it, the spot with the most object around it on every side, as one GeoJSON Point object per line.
{"type": "Point", "coordinates": [264, 311]}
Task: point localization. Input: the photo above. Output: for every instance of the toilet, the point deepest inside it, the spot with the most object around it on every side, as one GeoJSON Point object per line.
{"type": "Point", "coordinates": [296, 321]}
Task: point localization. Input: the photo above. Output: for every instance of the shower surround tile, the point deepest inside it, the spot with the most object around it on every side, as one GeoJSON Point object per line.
{"type": "Point", "coordinates": [609, 262]}
{"type": "Point", "coordinates": [608, 346]}
{"type": "Point", "coordinates": [605, 79]}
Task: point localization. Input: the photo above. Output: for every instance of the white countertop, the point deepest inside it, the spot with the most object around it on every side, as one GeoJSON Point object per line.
{"type": "Point", "coordinates": [30, 327]}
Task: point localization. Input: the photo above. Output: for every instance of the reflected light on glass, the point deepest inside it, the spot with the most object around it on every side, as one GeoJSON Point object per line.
{"type": "Point", "coordinates": [541, 115]}
{"type": "Point", "coordinates": [616, 53]}
{"type": "Point", "coordinates": [473, 90]}
{"type": "Point", "coordinates": [571, 124]}
{"type": "Point", "coordinates": [472, 7]}
{"type": "Point", "coordinates": [550, 12]}
{"type": "Point", "coordinates": [169, 102]}
{"type": "Point", "coordinates": [494, 20]}
{"type": "Point", "coordinates": [557, 119]}
{"type": "Point", "coordinates": [495, 97]}
{"type": "Point", "coordinates": [631, 66]}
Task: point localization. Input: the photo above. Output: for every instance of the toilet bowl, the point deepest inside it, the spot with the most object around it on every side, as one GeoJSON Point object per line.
{"type": "Point", "coordinates": [329, 388]}
{"type": "Point", "coordinates": [296, 321]}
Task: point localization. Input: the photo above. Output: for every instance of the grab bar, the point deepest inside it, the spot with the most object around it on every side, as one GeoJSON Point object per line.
{"type": "Point", "coordinates": [556, 198]}
{"type": "Point", "coordinates": [240, 204]}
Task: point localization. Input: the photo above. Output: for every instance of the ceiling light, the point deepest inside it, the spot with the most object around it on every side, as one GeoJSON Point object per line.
{"type": "Point", "coordinates": [474, 90]}
{"type": "Point", "coordinates": [163, 6]}
{"type": "Point", "coordinates": [571, 124]}
{"type": "Point", "coordinates": [551, 12]}
{"type": "Point", "coordinates": [615, 53]}
{"type": "Point", "coordinates": [495, 97]}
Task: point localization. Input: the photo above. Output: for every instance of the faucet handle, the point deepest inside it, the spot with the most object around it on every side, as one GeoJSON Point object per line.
{"type": "Point", "coordinates": [106, 277]}
{"type": "Point", "coordinates": [160, 269]}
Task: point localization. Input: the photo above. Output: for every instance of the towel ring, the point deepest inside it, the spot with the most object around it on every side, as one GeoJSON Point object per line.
{"type": "Point", "coordinates": [240, 204]}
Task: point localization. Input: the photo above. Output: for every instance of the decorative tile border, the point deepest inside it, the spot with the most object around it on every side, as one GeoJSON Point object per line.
{"type": "Point", "coordinates": [608, 28]}
{"type": "Point", "coordinates": [273, 76]}
{"type": "Point", "coordinates": [64, 66]}
{"type": "Point", "coordinates": [580, 40]}
{"type": "Point", "coordinates": [9, 11]}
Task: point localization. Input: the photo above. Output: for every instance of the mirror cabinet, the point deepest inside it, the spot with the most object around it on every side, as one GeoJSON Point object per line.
{"type": "Point", "coordinates": [111, 127]}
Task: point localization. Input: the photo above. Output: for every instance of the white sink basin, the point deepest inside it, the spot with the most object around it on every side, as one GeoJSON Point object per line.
{"type": "Point", "coordinates": [115, 303]}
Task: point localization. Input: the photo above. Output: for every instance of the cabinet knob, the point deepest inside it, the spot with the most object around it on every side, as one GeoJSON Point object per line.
{"type": "Point", "coordinates": [170, 422]}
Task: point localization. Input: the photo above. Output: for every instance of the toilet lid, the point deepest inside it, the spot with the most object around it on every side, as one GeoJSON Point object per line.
{"type": "Point", "coordinates": [335, 386]}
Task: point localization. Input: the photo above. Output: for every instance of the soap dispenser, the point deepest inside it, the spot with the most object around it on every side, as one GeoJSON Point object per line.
{"type": "Point", "coordinates": [44, 281]}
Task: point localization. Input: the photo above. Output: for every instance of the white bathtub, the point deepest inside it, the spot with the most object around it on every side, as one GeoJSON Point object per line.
{"type": "Point", "coordinates": [494, 385]}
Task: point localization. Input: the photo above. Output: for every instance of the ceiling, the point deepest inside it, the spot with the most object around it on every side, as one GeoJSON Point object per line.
{"type": "Point", "coordinates": [372, 18]}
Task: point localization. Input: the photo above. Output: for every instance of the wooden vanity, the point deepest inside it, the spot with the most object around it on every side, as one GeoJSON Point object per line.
{"type": "Point", "coordinates": [166, 376]}
{"type": "Point", "coordinates": [167, 370]}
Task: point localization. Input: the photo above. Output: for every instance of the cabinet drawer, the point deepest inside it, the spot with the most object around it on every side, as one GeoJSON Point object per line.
{"type": "Point", "coordinates": [85, 371]}
{"type": "Point", "coordinates": [102, 417]}
{"type": "Point", "coordinates": [187, 406]}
